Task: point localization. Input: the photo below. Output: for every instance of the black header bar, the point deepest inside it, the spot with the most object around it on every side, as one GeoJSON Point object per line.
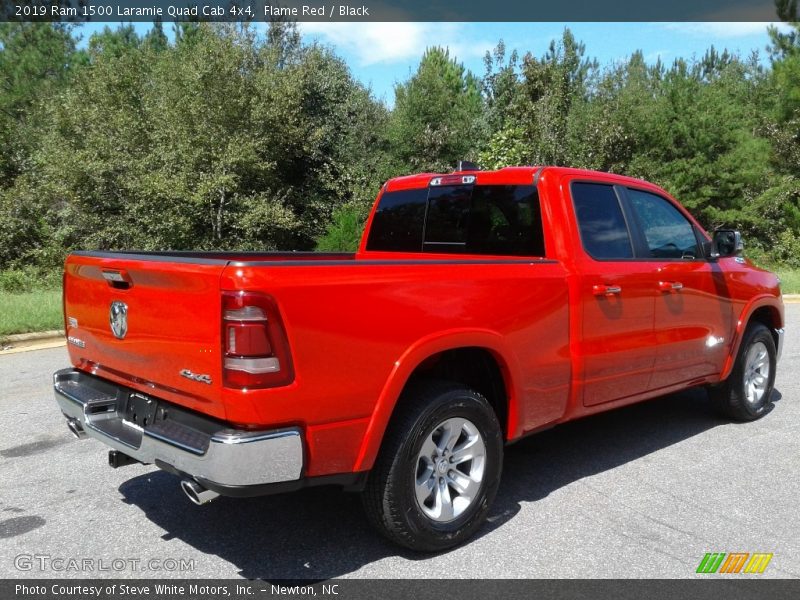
{"type": "Point", "coordinates": [115, 11]}
{"type": "Point", "coordinates": [733, 588]}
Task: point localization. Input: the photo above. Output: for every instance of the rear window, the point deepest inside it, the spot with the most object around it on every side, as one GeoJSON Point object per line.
{"type": "Point", "coordinates": [448, 218]}
{"type": "Point", "coordinates": [397, 224]}
{"type": "Point", "coordinates": [484, 219]}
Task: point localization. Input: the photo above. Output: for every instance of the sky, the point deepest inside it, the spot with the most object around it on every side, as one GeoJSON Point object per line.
{"type": "Point", "coordinates": [382, 54]}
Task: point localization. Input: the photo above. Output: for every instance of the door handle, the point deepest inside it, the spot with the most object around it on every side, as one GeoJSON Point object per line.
{"type": "Point", "coordinates": [670, 286]}
{"type": "Point", "coordinates": [606, 290]}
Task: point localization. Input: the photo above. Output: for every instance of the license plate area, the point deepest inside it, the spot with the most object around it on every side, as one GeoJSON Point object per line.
{"type": "Point", "coordinates": [140, 410]}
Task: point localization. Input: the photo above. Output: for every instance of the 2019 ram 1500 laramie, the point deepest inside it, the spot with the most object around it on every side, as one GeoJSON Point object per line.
{"type": "Point", "coordinates": [480, 307]}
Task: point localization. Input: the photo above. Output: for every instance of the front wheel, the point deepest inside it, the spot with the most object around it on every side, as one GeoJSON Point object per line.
{"type": "Point", "coordinates": [438, 469]}
{"type": "Point", "coordinates": [745, 395]}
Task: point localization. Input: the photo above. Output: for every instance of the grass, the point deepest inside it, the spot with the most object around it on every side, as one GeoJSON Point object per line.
{"type": "Point", "coordinates": [790, 280]}
{"type": "Point", "coordinates": [23, 312]}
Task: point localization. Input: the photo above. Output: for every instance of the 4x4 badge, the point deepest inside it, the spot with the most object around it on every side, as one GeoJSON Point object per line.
{"type": "Point", "coordinates": [201, 377]}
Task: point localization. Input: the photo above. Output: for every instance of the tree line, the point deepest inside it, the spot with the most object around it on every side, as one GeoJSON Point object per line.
{"type": "Point", "coordinates": [228, 137]}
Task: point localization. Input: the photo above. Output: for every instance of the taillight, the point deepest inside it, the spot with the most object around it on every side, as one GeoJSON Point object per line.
{"type": "Point", "coordinates": [255, 351]}
{"type": "Point", "coordinates": [64, 300]}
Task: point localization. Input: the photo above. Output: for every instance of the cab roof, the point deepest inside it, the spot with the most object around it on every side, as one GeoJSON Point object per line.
{"type": "Point", "coordinates": [504, 176]}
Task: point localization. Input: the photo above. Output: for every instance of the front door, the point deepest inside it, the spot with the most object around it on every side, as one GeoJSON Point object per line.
{"type": "Point", "coordinates": [693, 313]}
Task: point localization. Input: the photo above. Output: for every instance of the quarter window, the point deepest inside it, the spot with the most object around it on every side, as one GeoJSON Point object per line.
{"type": "Point", "coordinates": [668, 232]}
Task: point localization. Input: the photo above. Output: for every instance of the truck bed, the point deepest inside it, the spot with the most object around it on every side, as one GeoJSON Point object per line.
{"type": "Point", "coordinates": [216, 256]}
{"type": "Point", "coordinates": [349, 326]}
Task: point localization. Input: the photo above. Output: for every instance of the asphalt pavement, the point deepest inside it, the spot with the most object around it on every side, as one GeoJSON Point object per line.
{"type": "Point", "coordinates": [644, 491]}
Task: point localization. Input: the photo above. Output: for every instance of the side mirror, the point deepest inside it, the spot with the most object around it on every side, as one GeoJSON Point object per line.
{"type": "Point", "coordinates": [726, 242]}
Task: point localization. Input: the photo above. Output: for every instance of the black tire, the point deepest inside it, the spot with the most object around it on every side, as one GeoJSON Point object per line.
{"type": "Point", "coordinates": [730, 396]}
{"type": "Point", "coordinates": [389, 498]}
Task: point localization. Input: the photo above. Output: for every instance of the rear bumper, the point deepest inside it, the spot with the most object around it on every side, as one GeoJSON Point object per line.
{"type": "Point", "coordinates": [177, 439]}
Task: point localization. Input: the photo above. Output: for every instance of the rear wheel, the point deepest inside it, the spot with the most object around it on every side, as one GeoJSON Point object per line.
{"type": "Point", "coordinates": [745, 395]}
{"type": "Point", "coordinates": [438, 469]}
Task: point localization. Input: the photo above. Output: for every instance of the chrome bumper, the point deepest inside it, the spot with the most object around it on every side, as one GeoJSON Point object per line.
{"type": "Point", "coordinates": [186, 441]}
{"type": "Point", "coordinates": [779, 350]}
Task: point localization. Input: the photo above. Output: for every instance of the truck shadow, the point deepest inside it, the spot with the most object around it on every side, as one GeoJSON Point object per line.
{"type": "Point", "coordinates": [320, 533]}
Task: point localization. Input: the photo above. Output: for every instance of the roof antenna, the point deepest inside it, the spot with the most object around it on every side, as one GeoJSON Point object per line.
{"type": "Point", "coordinates": [465, 165]}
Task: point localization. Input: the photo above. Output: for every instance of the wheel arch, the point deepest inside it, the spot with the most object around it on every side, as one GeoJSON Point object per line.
{"type": "Point", "coordinates": [762, 309]}
{"type": "Point", "coordinates": [458, 356]}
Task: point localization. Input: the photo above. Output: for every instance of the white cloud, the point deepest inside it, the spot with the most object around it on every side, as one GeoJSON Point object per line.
{"type": "Point", "coordinates": [657, 55]}
{"type": "Point", "coordinates": [374, 43]}
{"type": "Point", "coordinates": [724, 30]}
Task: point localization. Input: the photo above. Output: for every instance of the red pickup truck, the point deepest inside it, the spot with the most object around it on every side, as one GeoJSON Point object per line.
{"type": "Point", "coordinates": [481, 306]}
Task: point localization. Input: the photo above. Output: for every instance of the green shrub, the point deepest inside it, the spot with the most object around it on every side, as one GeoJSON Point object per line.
{"type": "Point", "coordinates": [787, 250]}
{"type": "Point", "coordinates": [29, 279]}
{"type": "Point", "coordinates": [344, 232]}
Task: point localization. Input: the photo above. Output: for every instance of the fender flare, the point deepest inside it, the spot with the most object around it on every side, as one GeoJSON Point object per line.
{"type": "Point", "coordinates": [415, 355]}
{"type": "Point", "coordinates": [760, 301]}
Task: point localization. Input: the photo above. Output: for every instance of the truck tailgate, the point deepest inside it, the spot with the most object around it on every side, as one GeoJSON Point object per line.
{"type": "Point", "coordinates": [171, 346]}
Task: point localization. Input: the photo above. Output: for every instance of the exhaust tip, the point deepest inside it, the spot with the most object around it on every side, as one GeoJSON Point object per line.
{"type": "Point", "coordinates": [76, 428]}
{"type": "Point", "coordinates": [197, 493]}
{"type": "Point", "coordinates": [188, 489]}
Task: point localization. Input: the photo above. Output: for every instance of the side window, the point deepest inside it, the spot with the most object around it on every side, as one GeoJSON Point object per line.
{"type": "Point", "coordinates": [397, 224]}
{"type": "Point", "coordinates": [668, 233]}
{"type": "Point", "coordinates": [604, 233]}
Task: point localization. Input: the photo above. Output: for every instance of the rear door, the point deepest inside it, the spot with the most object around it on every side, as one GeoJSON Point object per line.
{"type": "Point", "coordinates": [693, 312]}
{"type": "Point", "coordinates": [617, 340]}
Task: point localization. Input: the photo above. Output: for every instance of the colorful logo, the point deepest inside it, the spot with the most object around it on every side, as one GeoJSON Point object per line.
{"type": "Point", "coordinates": [734, 562]}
